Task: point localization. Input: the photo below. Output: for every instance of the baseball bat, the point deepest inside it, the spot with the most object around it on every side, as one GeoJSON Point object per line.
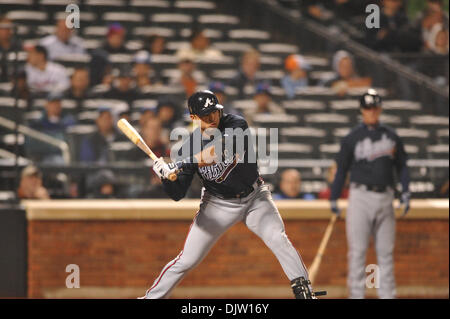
{"type": "Point", "coordinates": [136, 138]}
{"type": "Point", "coordinates": [323, 244]}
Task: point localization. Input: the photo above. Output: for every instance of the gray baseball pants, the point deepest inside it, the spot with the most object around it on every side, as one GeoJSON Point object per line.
{"type": "Point", "coordinates": [370, 214]}
{"type": "Point", "coordinates": [214, 217]}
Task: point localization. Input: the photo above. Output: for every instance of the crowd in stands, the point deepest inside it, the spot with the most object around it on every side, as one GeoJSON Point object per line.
{"type": "Point", "coordinates": [398, 32]}
{"type": "Point", "coordinates": [42, 77]}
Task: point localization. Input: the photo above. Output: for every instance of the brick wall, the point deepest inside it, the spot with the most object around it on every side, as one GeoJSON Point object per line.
{"type": "Point", "coordinates": [132, 253]}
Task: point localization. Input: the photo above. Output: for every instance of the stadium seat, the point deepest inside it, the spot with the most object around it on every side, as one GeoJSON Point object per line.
{"type": "Point", "coordinates": [348, 107]}
{"type": "Point", "coordinates": [120, 150]}
{"type": "Point", "coordinates": [329, 150]}
{"type": "Point", "coordinates": [275, 120]}
{"type": "Point", "coordinates": [253, 37]}
{"type": "Point", "coordinates": [149, 6]}
{"type": "Point", "coordinates": [442, 135]}
{"type": "Point", "coordinates": [162, 62]}
{"type": "Point", "coordinates": [295, 151]}
{"type": "Point", "coordinates": [143, 32]}
{"type": "Point", "coordinates": [52, 6]}
{"type": "Point", "coordinates": [303, 135]}
{"type": "Point", "coordinates": [127, 19]}
{"type": "Point", "coordinates": [301, 107]}
{"type": "Point", "coordinates": [277, 49]}
{"type": "Point", "coordinates": [212, 34]}
{"type": "Point", "coordinates": [402, 108]}
{"type": "Point", "coordinates": [413, 136]}
{"type": "Point", "coordinates": [429, 121]}
{"type": "Point", "coordinates": [28, 17]}
{"type": "Point", "coordinates": [438, 151]}
{"type": "Point", "coordinates": [100, 6]}
{"type": "Point", "coordinates": [328, 120]}
{"type": "Point", "coordinates": [171, 20]}
{"type": "Point", "coordinates": [74, 60]}
{"type": "Point", "coordinates": [232, 48]}
{"type": "Point", "coordinates": [10, 110]}
{"type": "Point", "coordinates": [218, 21]}
{"type": "Point", "coordinates": [195, 8]}
{"type": "Point", "coordinates": [414, 151]}
{"type": "Point", "coordinates": [10, 5]}
{"type": "Point", "coordinates": [95, 31]}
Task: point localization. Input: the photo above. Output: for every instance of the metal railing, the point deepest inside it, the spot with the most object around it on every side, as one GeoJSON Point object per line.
{"type": "Point", "coordinates": [34, 134]}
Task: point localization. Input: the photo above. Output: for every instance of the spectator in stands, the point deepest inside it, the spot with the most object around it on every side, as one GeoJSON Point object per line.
{"type": "Point", "coordinates": [218, 88]}
{"type": "Point", "coordinates": [290, 186]}
{"type": "Point", "coordinates": [437, 40]}
{"type": "Point", "coordinates": [263, 100]}
{"type": "Point", "coordinates": [53, 123]}
{"type": "Point", "coordinates": [297, 74]}
{"type": "Point", "coordinates": [7, 44]}
{"type": "Point", "coordinates": [167, 111]}
{"type": "Point", "coordinates": [146, 113]}
{"type": "Point", "coordinates": [324, 10]}
{"type": "Point", "coordinates": [331, 172]}
{"type": "Point", "coordinates": [79, 85]}
{"type": "Point", "coordinates": [189, 78]}
{"type": "Point", "coordinates": [123, 86]}
{"type": "Point", "coordinates": [346, 76]}
{"type": "Point", "coordinates": [200, 48]}
{"type": "Point", "coordinates": [103, 185]}
{"type": "Point", "coordinates": [100, 64]}
{"type": "Point", "coordinates": [44, 76]}
{"type": "Point", "coordinates": [63, 42]}
{"type": "Point", "coordinates": [152, 133]}
{"type": "Point", "coordinates": [247, 75]}
{"type": "Point", "coordinates": [157, 44]}
{"type": "Point", "coordinates": [434, 14]}
{"type": "Point", "coordinates": [143, 73]}
{"type": "Point", "coordinates": [95, 147]}
{"type": "Point", "coordinates": [395, 34]}
{"type": "Point", "coordinates": [21, 86]}
{"type": "Point", "coordinates": [31, 184]}
{"type": "Point", "coordinates": [263, 103]}
{"type": "Point", "coordinates": [115, 39]}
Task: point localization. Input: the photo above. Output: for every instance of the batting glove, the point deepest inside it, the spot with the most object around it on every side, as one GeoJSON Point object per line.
{"type": "Point", "coordinates": [164, 170]}
{"type": "Point", "coordinates": [404, 201]}
{"type": "Point", "coordinates": [334, 208]}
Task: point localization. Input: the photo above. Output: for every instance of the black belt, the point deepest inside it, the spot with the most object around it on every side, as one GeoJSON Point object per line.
{"type": "Point", "coordinates": [373, 188]}
{"type": "Point", "coordinates": [259, 181]}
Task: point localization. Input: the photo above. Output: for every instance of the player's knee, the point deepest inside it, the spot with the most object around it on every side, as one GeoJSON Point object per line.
{"type": "Point", "coordinates": [278, 240]}
{"type": "Point", "coordinates": [187, 264]}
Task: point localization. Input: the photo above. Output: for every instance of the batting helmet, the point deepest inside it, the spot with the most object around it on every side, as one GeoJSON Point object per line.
{"type": "Point", "coordinates": [370, 99]}
{"type": "Point", "coordinates": [202, 103]}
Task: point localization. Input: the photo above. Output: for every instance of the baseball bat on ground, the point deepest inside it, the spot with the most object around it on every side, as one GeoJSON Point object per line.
{"type": "Point", "coordinates": [323, 244]}
{"type": "Point", "coordinates": [136, 138]}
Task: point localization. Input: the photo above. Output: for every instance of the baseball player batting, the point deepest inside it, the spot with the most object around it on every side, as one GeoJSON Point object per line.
{"type": "Point", "coordinates": [372, 152]}
{"type": "Point", "coordinates": [232, 192]}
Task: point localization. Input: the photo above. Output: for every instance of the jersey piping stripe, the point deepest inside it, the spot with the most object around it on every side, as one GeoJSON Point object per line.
{"type": "Point", "coordinates": [176, 259]}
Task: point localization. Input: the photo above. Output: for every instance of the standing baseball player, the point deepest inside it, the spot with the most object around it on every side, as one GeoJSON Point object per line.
{"type": "Point", "coordinates": [232, 192]}
{"type": "Point", "coordinates": [372, 152]}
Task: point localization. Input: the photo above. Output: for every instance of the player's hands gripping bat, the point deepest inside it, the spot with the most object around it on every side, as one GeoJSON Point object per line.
{"type": "Point", "coordinates": [136, 138]}
{"type": "Point", "coordinates": [165, 170]}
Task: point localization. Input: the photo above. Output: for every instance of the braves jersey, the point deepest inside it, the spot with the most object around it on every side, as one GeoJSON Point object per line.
{"type": "Point", "coordinates": [235, 173]}
{"type": "Point", "coordinates": [372, 155]}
